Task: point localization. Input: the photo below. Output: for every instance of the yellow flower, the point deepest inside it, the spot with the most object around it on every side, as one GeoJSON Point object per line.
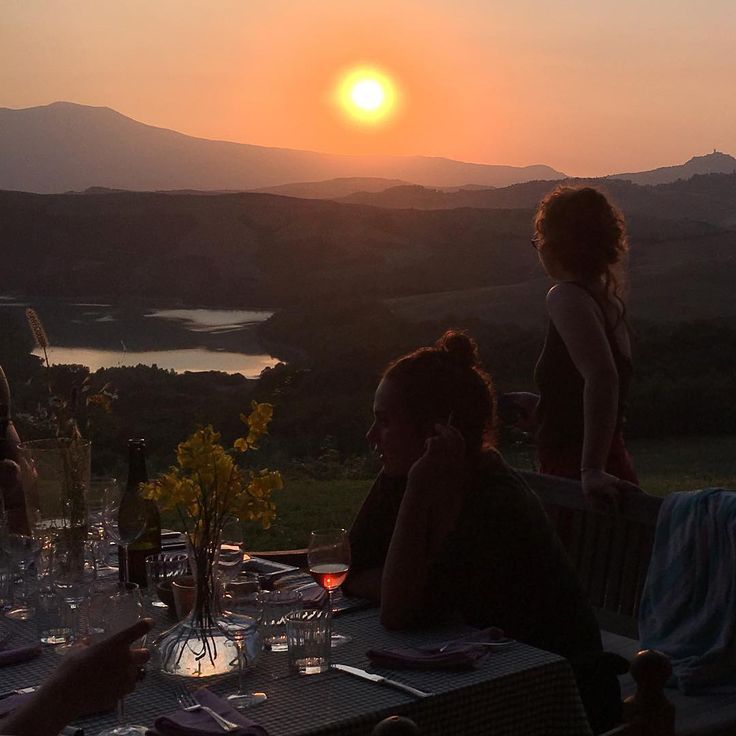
{"type": "Point", "coordinates": [206, 484]}
{"type": "Point", "coordinates": [257, 423]}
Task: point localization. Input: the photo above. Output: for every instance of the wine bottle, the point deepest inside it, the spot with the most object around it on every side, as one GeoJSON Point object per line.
{"type": "Point", "coordinates": [132, 508]}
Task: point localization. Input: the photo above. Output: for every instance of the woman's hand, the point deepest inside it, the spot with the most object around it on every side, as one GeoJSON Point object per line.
{"type": "Point", "coordinates": [602, 490]}
{"type": "Point", "coordinates": [441, 464]}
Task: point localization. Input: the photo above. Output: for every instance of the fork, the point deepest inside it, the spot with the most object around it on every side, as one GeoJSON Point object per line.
{"type": "Point", "coordinates": [189, 704]}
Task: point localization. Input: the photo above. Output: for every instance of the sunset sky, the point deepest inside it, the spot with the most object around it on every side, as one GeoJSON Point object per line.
{"type": "Point", "coordinates": [586, 87]}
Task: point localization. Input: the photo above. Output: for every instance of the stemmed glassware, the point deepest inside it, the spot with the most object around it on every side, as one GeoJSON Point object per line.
{"type": "Point", "coordinates": [328, 559]}
{"type": "Point", "coordinates": [124, 522]}
{"type": "Point", "coordinates": [115, 607]}
{"type": "Point", "coordinates": [231, 553]}
{"type": "Point", "coordinates": [240, 612]}
{"type": "Point", "coordinates": [96, 532]}
{"type": "Point", "coordinates": [72, 578]}
{"type": "Point", "coordinates": [23, 551]}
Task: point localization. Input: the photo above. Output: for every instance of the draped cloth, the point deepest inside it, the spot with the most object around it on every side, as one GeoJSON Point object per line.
{"type": "Point", "coordinates": [688, 605]}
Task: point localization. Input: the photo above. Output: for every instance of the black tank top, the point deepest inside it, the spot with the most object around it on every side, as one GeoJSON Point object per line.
{"type": "Point", "coordinates": [560, 408]}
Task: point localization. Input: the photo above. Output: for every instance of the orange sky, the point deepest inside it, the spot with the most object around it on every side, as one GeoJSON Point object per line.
{"type": "Point", "coordinates": [589, 88]}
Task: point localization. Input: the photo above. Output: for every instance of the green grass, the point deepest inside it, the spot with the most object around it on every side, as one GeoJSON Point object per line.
{"type": "Point", "coordinates": [663, 465]}
{"type": "Point", "coordinates": [672, 463]}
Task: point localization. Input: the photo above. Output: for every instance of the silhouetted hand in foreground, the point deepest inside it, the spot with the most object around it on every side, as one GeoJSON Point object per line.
{"type": "Point", "coordinates": [88, 680]}
{"type": "Point", "coordinates": [603, 491]}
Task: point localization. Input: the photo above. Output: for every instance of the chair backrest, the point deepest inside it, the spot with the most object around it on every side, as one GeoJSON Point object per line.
{"type": "Point", "coordinates": [610, 552]}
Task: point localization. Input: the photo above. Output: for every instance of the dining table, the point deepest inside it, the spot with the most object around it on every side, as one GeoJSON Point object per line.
{"type": "Point", "coordinates": [514, 689]}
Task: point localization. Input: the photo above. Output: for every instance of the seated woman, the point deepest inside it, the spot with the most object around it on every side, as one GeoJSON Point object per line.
{"type": "Point", "coordinates": [448, 528]}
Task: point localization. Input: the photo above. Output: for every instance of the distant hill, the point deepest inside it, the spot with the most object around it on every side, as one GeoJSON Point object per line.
{"type": "Point", "coordinates": [332, 188]}
{"type": "Point", "coordinates": [69, 147]}
{"type": "Point", "coordinates": [711, 163]}
{"type": "Point", "coordinates": [710, 198]}
{"type": "Point", "coordinates": [271, 251]}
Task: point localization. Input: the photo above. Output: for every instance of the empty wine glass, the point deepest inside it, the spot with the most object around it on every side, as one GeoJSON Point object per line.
{"type": "Point", "coordinates": [23, 552]}
{"type": "Point", "coordinates": [124, 521]}
{"type": "Point", "coordinates": [115, 607]}
{"type": "Point", "coordinates": [72, 577]}
{"type": "Point", "coordinates": [328, 559]}
{"type": "Point", "coordinates": [95, 502]}
{"type": "Point", "coordinates": [231, 552]}
{"type": "Point", "coordinates": [241, 611]}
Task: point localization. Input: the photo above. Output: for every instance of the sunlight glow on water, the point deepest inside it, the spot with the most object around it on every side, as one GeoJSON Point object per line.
{"type": "Point", "coordinates": [194, 359]}
{"type": "Point", "coordinates": [212, 320]}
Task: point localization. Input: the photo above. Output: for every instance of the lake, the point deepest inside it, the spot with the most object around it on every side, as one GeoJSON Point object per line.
{"type": "Point", "coordinates": [107, 336]}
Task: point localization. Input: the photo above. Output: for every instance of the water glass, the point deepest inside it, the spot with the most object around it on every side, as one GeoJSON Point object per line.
{"type": "Point", "coordinates": [277, 606]}
{"type": "Point", "coordinates": [161, 569]}
{"type": "Point", "coordinates": [308, 636]}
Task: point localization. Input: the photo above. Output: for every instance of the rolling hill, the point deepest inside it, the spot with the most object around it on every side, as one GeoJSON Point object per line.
{"type": "Point", "coordinates": [68, 147]}
{"type": "Point", "coordinates": [264, 250]}
{"type": "Point", "coordinates": [707, 197]}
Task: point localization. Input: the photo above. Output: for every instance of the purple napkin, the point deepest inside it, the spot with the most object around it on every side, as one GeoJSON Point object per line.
{"type": "Point", "coordinates": [21, 654]}
{"type": "Point", "coordinates": [199, 723]}
{"type": "Point", "coordinates": [462, 653]}
{"type": "Point", "coordinates": [12, 702]}
{"type": "Point", "coordinates": [313, 595]}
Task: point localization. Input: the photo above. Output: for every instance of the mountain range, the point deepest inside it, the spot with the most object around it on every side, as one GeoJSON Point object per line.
{"type": "Point", "coordinates": [69, 147]}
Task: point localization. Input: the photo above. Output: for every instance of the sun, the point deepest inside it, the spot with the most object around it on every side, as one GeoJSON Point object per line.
{"type": "Point", "coordinates": [367, 95]}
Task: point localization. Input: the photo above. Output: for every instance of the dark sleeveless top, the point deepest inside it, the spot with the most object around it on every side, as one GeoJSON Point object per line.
{"type": "Point", "coordinates": [560, 409]}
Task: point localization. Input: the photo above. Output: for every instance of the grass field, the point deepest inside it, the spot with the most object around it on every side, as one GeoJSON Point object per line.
{"type": "Point", "coordinates": [663, 465]}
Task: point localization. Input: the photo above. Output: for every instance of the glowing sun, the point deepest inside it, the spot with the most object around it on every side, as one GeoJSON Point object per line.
{"type": "Point", "coordinates": [367, 95]}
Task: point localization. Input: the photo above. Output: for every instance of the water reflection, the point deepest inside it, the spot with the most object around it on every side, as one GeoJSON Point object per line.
{"type": "Point", "coordinates": [189, 359]}
{"type": "Point", "coordinates": [212, 320]}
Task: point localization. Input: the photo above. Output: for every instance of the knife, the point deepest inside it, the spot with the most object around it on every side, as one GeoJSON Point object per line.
{"type": "Point", "coordinates": [19, 691]}
{"type": "Point", "coordinates": [357, 672]}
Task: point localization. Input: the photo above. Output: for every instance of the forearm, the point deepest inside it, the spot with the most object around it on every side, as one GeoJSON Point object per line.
{"type": "Point", "coordinates": [408, 562]}
{"type": "Point", "coordinates": [600, 408]}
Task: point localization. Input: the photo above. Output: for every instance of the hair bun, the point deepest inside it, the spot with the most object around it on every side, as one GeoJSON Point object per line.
{"type": "Point", "coordinates": [460, 348]}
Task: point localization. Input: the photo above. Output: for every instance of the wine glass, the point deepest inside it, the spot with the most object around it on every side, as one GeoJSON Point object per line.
{"type": "Point", "coordinates": [124, 519]}
{"type": "Point", "coordinates": [241, 610]}
{"type": "Point", "coordinates": [23, 551]}
{"type": "Point", "coordinates": [114, 607]}
{"type": "Point", "coordinates": [328, 558]}
{"type": "Point", "coordinates": [231, 552]}
{"type": "Point", "coordinates": [72, 572]}
{"type": "Point", "coordinates": [96, 532]}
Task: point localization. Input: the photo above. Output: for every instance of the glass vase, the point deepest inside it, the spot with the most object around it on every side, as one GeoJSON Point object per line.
{"type": "Point", "coordinates": [56, 474]}
{"type": "Point", "coordinates": [196, 646]}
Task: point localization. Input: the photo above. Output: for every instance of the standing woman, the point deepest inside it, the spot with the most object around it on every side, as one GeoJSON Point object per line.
{"type": "Point", "coordinates": [585, 368]}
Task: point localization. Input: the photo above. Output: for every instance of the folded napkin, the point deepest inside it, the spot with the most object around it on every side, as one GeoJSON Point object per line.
{"type": "Point", "coordinates": [12, 702]}
{"type": "Point", "coordinates": [200, 723]}
{"type": "Point", "coordinates": [313, 595]}
{"type": "Point", "coordinates": [461, 653]}
{"type": "Point", "coordinates": [21, 654]}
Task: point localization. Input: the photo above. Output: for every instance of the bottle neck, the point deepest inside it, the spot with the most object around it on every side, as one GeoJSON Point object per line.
{"type": "Point", "coordinates": [136, 467]}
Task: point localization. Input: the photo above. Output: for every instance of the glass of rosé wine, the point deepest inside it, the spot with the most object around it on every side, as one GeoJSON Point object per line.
{"type": "Point", "coordinates": [328, 558]}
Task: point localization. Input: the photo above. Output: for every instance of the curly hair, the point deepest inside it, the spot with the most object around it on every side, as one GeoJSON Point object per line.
{"type": "Point", "coordinates": [447, 382]}
{"type": "Point", "coordinates": [585, 234]}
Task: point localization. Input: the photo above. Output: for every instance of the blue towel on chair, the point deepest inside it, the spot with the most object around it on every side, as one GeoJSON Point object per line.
{"type": "Point", "coordinates": [688, 605]}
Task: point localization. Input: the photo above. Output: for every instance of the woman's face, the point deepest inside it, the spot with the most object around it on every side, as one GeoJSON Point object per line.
{"type": "Point", "coordinates": [394, 435]}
